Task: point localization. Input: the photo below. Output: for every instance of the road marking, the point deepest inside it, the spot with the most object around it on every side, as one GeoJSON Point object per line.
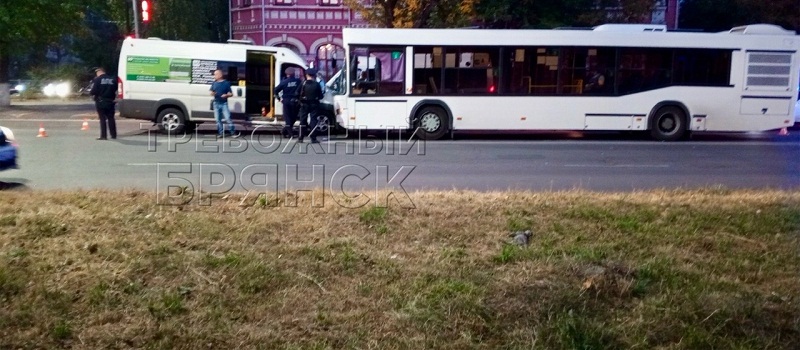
{"type": "Point", "coordinates": [616, 165]}
{"type": "Point", "coordinates": [172, 163]}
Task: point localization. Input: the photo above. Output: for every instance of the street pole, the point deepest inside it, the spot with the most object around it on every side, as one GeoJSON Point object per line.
{"type": "Point", "coordinates": [135, 19]}
{"type": "Point", "coordinates": [263, 23]}
{"type": "Point", "coordinates": [230, 20]}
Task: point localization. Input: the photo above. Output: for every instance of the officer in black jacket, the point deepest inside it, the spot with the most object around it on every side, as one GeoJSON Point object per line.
{"type": "Point", "coordinates": [289, 87]}
{"type": "Point", "coordinates": [104, 91]}
{"type": "Point", "coordinates": [310, 94]}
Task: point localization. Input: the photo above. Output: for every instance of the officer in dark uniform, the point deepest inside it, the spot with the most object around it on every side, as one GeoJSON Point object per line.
{"type": "Point", "coordinates": [104, 91]}
{"type": "Point", "coordinates": [310, 94]}
{"type": "Point", "coordinates": [289, 87]}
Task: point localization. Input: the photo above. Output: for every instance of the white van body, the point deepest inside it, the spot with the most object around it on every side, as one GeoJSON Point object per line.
{"type": "Point", "coordinates": [168, 82]}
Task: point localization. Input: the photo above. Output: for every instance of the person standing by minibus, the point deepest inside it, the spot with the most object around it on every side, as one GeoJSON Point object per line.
{"type": "Point", "coordinates": [221, 90]}
{"type": "Point", "coordinates": [310, 94]}
{"type": "Point", "coordinates": [288, 89]}
{"type": "Point", "coordinates": [104, 91]}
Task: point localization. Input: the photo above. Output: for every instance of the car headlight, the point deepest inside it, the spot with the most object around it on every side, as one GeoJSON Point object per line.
{"type": "Point", "coordinates": [49, 90]}
{"type": "Point", "coordinates": [20, 87]}
{"type": "Point", "coordinates": [63, 89]}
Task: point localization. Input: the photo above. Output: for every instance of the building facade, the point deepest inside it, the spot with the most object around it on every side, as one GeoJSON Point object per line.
{"type": "Point", "coordinates": [312, 28]}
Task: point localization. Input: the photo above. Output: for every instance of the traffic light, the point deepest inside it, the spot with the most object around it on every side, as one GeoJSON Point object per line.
{"type": "Point", "coordinates": [145, 11]}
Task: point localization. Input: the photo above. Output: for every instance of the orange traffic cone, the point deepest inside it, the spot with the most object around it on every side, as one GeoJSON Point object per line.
{"type": "Point", "coordinates": [42, 132]}
{"type": "Point", "coordinates": [783, 132]}
{"type": "Point", "coordinates": [85, 125]}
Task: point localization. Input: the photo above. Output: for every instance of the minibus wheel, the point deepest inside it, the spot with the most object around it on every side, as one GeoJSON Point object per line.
{"type": "Point", "coordinates": [171, 121]}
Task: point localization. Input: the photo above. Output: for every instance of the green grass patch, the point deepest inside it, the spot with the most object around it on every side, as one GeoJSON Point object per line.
{"type": "Point", "coordinates": [713, 268]}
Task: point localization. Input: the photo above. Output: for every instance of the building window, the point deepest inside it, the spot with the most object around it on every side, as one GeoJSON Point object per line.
{"type": "Point", "coordinates": [284, 2]}
{"type": "Point", "coordinates": [330, 2]}
{"type": "Point", "coordinates": [247, 3]}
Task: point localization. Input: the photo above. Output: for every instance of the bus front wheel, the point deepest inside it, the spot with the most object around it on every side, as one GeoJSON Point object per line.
{"type": "Point", "coordinates": [669, 124]}
{"type": "Point", "coordinates": [432, 123]}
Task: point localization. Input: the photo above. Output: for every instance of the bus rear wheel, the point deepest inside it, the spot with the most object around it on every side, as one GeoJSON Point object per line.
{"type": "Point", "coordinates": [432, 123]}
{"type": "Point", "coordinates": [669, 124]}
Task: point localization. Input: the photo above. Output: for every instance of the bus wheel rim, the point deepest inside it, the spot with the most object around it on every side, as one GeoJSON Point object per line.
{"type": "Point", "coordinates": [430, 122]}
{"type": "Point", "coordinates": [667, 124]}
{"type": "Point", "coordinates": [322, 124]}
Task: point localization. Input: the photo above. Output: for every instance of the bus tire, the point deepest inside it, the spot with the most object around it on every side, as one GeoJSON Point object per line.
{"type": "Point", "coordinates": [432, 123]}
{"type": "Point", "coordinates": [668, 124]}
{"type": "Point", "coordinates": [326, 124]}
{"type": "Point", "coordinates": [171, 121]}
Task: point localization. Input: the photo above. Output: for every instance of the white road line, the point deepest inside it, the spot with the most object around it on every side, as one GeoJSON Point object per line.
{"type": "Point", "coordinates": [616, 165]}
{"type": "Point", "coordinates": [171, 163]}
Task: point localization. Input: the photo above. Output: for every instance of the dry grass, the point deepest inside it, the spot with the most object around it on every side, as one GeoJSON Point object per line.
{"type": "Point", "coordinates": [664, 269]}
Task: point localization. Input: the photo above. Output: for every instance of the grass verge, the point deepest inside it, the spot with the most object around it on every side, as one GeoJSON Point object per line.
{"type": "Point", "coordinates": [662, 269]}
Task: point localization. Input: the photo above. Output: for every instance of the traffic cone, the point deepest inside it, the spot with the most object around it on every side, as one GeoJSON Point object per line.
{"type": "Point", "coordinates": [783, 132]}
{"type": "Point", "coordinates": [85, 125]}
{"type": "Point", "coordinates": [42, 132]}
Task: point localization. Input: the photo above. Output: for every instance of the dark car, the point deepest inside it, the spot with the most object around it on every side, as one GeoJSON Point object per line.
{"type": "Point", "coordinates": [8, 149]}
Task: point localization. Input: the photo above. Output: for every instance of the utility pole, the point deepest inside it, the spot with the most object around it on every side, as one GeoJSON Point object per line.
{"type": "Point", "coordinates": [135, 19]}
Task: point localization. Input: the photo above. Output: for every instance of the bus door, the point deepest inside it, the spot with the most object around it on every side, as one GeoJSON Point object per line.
{"type": "Point", "coordinates": [260, 83]}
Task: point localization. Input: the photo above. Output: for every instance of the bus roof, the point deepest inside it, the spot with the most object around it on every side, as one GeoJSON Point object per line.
{"type": "Point", "coordinates": [756, 37]}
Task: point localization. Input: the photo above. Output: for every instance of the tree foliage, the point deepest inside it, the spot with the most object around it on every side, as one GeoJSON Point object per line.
{"type": "Point", "coordinates": [718, 15]}
{"type": "Point", "coordinates": [416, 13]}
{"type": "Point", "coordinates": [510, 14]}
{"type": "Point", "coordinates": [189, 20]}
{"type": "Point", "coordinates": [34, 23]}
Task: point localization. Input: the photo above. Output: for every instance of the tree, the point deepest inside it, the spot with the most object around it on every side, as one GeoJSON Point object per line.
{"type": "Point", "coordinates": [33, 23]}
{"type": "Point", "coordinates": [189, 20]}
{"type": "Point", "coordinates": [719, 15]}
{"type": "Point", "coordinates": [619, 11]}
{"type": "Point", "coordinates": [416, 13]}
{"type": "Point", "coordinates": [512, 14]}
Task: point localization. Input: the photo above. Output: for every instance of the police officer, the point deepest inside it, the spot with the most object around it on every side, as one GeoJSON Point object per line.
{"type": "Point", "coordinates": [310, 94]}
{"type": "Point", "coordinates": [104, 91]}
{"type": "Point", "coordinates": [289, 87]}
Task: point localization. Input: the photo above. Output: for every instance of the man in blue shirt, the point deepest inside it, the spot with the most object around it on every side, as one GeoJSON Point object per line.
{"type": "Point", "coordinates": [221, 90]}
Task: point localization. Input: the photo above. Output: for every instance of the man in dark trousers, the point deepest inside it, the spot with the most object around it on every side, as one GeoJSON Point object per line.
{"type": "Point", "coordinates": [104, 91]}
{"type": "Point", "coordinates": [310, 95]}
{"type": "Point", "coordinates": [289, 87]}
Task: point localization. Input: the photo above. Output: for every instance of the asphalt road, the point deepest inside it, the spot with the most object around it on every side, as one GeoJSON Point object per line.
{"type": "Point", "coordinates": [261, 161]}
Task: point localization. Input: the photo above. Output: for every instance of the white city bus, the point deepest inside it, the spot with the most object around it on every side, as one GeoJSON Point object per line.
{"type": "Point", "coordinates": [613, 77]}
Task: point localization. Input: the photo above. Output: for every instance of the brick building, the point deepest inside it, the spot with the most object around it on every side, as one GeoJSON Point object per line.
{"type": "Point", "coordinates": [312, 28]}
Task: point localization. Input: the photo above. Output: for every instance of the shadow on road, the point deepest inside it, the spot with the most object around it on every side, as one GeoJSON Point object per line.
{"type": "Point", "coordinates": [12, 186]}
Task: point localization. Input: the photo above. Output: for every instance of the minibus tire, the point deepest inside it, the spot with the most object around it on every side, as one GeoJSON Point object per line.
{"type": "Point", "coordinates": [171, 121]}
{"type": "Point", "coordinates": [668, 124]}
{"type": "Point", "coordinates": [432, 123]}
